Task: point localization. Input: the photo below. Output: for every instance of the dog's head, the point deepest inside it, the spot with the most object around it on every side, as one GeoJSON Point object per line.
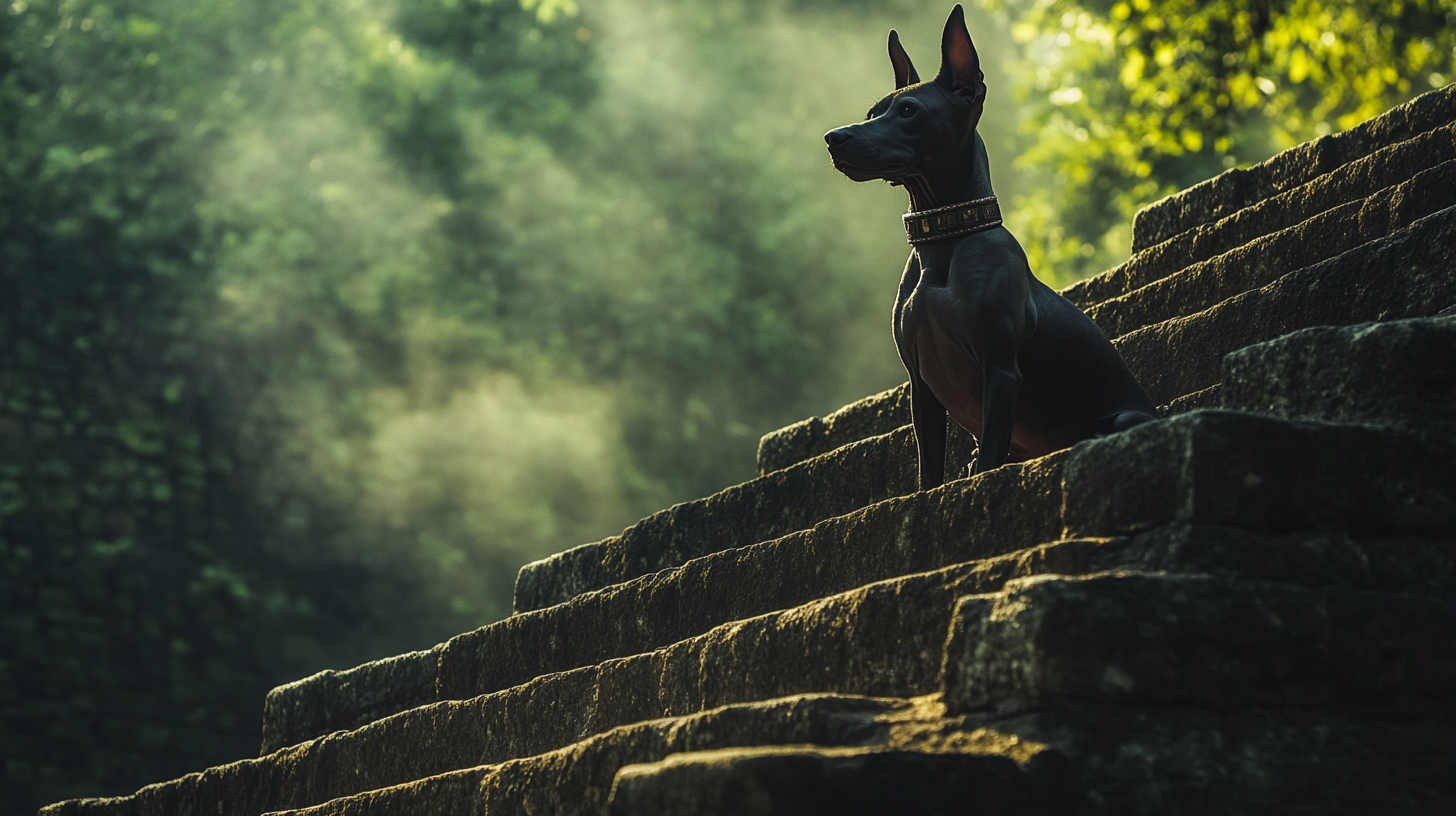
{"type": "Point", "coordinates": [921, 124]}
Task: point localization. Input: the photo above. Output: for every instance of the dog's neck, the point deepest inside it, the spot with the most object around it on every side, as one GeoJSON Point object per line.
{"type": "Point", "coordinates": [962, 181]}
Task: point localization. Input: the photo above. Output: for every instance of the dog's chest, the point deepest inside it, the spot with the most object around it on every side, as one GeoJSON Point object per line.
{"type": "Point", "coordinates": [937, 345]}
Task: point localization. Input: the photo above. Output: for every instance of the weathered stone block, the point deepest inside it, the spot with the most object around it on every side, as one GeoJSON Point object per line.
{"type": "Point", "coordinates": [1257, 472]}
{"type": "Point", "coordinates": [1400, 373]}
{"type": "Point", "coordinates": [759, 510]}
{"type": "Point", "coordinates": [1008, 509]}
{"type": "Point", "coordinates": [1159, 760]}
{"type": "Point", "coordinates": [1198, 641]}
{"type": "Point", "coordinates": [342, 700]}
{"type": "Point", "coordinates": [1412, 563]}
{"type": "Point", "coordinates": [1001, 511]}
{"type": "Point", "coordinates": [809, 781]}
{"type": "Point", "coordinates": [1405, 275]}
{"type": "Point", "coordinates": [874, 415]}
{"type": "Point", "coordinates": [1131, 761]}
{"type": "Point", "coordinates": [1351, 182]}
{"type": "Point", "coordinates": [1004, 510]}
{"type": "Point", "coordinates": [884, 639]}
{"type": "Point", "coordinates": [1204, 398]}
{"type": "Point", "coordinates": [796, 498]}
{"type": "Point", "coordinates": [1261, 261]}
{"type": "Point", "coordinates": [577, 778]}
{"type": "Point", "coordinates": [1236, 189]}
{"type": "Point", "coordinates": [1313, 557]}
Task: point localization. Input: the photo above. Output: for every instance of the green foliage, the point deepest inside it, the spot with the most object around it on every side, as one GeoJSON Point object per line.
{"type": "Point", "coordinates": [135, 608]}
{"type": "Point", "coordinates": [1136, 99]}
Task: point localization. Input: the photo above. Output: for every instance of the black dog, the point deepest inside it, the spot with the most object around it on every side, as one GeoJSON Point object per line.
{"type": "Point", "coordinates": [1012, 361]}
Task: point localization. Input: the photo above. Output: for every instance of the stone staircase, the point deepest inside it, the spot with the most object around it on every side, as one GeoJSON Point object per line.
{"type": "Point", "coordinates": [1245, 607]}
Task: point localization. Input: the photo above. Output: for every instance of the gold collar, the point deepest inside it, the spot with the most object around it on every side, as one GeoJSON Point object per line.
{"type": "Point", "coordinates": [953, 221]}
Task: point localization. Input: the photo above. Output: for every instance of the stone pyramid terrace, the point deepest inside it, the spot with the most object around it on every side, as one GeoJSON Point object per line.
{"type": "Point", "coordinates": [1246, 607]}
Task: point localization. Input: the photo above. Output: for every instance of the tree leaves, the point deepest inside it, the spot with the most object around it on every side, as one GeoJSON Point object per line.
{"type": "Point", "coordinates": [1169, 93]}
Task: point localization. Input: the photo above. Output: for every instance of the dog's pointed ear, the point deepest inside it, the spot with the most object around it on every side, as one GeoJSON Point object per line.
{"type": "Point", "coordinates": [960, 65]}
{"type": "Point", "coordinates": [904, 70]}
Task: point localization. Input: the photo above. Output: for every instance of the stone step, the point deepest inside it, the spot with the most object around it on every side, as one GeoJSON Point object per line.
{"type": "Point", "coordinates": [880, 640]}
{"type": "Point", "coordinates": [1406, 274]}
{"type": "Point", "coordinates": [1266, 259]}
{"type": "Point", "coordinates": [1145, 475]}
{"type": "Point", "coordinates": [1165, 461]}
{"type": "Point", "coordinates": [332, 701]}
{"type": "Point", "coordinates": [1128, 761]}
{"type": "Point", "coordinates": [1237, 189]}
{"type": "Point", "coordinates": [1328, 557]}
{"type": "Point", "coordinates": [572, 779]}
{"type": "Point", "coordinates": [1160, 760]}
{"type": "Point", "coordinates": [824, 645]}
{"type": "Point", "coordinates": [1200, 641]}
{"type": "Point", "coordinates": [1107, 760]}
{"type": "Point", "coordinates": [1011, 508]}
{"type": "Point", "coordinates": [872, 416]}
{"type": "Point", "coordinates": [884, 639]}
{"type": "Point", "coordinates": [1400, 373]}
{"type": "Point", "coordinates": [849, 478]}
{"type": "Point", "coordinates": [765, 508]}
{"type": "Point", "coordinates": [788, 781]}
{"type": "Point", "coordinates": [1385, 168]}
{"type": "Point", "coordinates": [1262, 473]}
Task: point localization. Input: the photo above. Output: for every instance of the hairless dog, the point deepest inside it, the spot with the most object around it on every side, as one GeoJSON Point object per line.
{"type": "Point", "coordinates": [1015, 364]}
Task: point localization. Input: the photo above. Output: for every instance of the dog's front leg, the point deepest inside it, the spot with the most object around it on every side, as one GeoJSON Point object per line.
{"type": "Point", "coordinates": [1001, 387]}
{"type": "Point", "coordinates": [928, 416]}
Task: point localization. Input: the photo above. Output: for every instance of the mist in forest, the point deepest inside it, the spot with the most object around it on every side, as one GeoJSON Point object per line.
{"type": "Point", "coordinates": [458, 337]}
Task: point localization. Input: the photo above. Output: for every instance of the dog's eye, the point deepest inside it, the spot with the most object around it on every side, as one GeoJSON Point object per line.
{"type": "Point", "coordinates": [906, 111]}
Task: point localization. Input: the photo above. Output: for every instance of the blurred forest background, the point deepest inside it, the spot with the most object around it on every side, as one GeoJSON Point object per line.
{"type": "Point", "coordinates": [318, 318]}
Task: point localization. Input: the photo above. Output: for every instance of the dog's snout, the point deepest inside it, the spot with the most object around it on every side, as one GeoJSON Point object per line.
{"type": "Point", "coordinates": [838, 138]}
